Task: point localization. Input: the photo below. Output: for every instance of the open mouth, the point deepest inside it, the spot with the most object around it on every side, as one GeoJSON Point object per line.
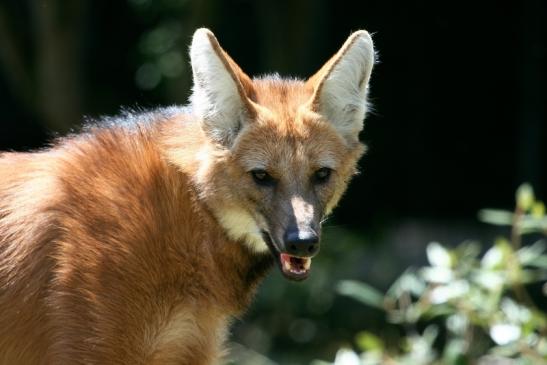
{"type": "Point", "coordinates": [293, 267]}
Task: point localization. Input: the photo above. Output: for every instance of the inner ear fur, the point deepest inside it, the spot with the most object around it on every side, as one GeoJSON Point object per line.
{"type": "Point", "coordinates": [340, 86]}
{"type": "Point", "coordinates": [222, 94]}
{"type": "Point", "coordinates": [243, 81]}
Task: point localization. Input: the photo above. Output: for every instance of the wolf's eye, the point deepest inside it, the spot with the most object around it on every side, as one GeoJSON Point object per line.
{"type": "Point", "coordinates": [322, 175]}
{"type": "Point", "coordinates": [261, 177]}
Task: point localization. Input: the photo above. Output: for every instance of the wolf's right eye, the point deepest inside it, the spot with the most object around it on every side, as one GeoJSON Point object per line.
{"type": "Point", "coordinates": [261, 177]}
{"type": "Point", "coordinates": [322, 175]}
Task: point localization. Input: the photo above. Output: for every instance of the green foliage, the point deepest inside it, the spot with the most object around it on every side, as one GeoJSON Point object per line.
{"type": "Point", "coordinates": [464, 307]}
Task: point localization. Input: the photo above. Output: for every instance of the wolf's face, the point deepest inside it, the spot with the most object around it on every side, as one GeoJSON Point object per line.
{"type": "Point", "coordinates": [280, 152]}
{"type": "Point", "coordinates": [288, 176]}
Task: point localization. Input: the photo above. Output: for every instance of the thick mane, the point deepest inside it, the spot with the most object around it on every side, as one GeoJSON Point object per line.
{"type": "Point", "coordinates": [131, 117]}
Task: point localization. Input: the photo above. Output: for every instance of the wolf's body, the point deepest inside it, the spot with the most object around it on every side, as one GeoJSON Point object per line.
{"type": "Point", "coordinates": [135, 243]}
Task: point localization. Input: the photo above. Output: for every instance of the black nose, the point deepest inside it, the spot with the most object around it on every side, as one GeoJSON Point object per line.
{"type": "Point", "coordinates": [301, 243]}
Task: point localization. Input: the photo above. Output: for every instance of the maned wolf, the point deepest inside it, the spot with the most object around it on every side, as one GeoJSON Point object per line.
{"type": "Point", "coordinates": [136, 241]}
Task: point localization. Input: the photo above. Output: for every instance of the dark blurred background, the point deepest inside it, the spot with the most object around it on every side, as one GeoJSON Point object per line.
{"type": "Point", "coordinates": [459, 101]}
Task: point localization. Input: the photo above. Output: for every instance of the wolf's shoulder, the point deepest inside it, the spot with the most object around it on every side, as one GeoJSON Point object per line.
{"type": "Point", "coordinates": [133, 118]}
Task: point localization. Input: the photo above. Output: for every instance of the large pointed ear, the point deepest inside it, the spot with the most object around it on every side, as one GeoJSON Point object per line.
{"type": "Point", "coordinates": [221, 90]}
{"type": "Point", "coordinates": [340, 86]}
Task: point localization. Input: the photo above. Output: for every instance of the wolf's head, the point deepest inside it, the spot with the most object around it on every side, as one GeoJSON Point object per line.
{"type": "Point", "coordinates": [279, 152]}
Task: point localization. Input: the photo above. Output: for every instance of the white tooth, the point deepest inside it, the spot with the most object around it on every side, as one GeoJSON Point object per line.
{"type": "Point", "coordinates": [286, 265]}
{"type": "Point", "coordinates": [307, 264]}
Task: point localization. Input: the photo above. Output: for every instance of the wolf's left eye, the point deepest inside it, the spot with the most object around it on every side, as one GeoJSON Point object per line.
{"type": "Point", "coordinates": [261, 177]}
{"type": "Point", "coordinates": [322, 175]}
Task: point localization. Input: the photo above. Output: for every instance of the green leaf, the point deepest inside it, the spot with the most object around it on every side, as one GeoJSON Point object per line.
{"type": "Point", "coordinates": [369, 342]}
{"type": "Point", "coordinates": [443, 293]}
{"type": "Point", "coordinates": [437, 274]}
{"type": "Point", "coordinates": [496, 217]}
{"type": "Point", "coordinates": [538, 210]}
{"type": "Point", "coordinates": [531, 224]}
{"type": "Point", "coordinates": [497, 256]}
{"type": "Point", "coordinates": [407, 282]}
{"type": "Point", "coordinates": [491, 280]}
{"type": "Point", "coordinates": [458, 323]}
{"type": "Point", "coordinates": [530, 253]}
{"type": "Point", "coordinates": [515, 312]}
{"type": "Point", "coordinates": [430, 334]}
{"type": "Point", "coordinates": [438, 310]}
{"type": "Point", "coordinates": [540, 261]}
{"type": "Point", "coordinates": [454, 351]}
{"type": "Point", "coordinates": [362, 292]}
{"type": "Point", "coordinates": [468, 251]}
{"type": "Point", "coordinates": [493, 258]}
{"type": "Point", "coordinates": [525, 197]}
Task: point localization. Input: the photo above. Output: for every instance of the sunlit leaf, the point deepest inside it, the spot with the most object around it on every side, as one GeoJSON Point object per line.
{"type": "Point", "coordinates": [530, 253]}
{"type": "Point", "coordinates": [369, 342]}
{"type": "Point", "coordinates": [514, 311]}
{"type": "Point", "coordinates": [525, 197]}
{"type": "Point", "coordinates": [496, 217]}
{"type": "Point", "coordinates": [530, 224]}
{"type": "Point", "coordinates": [540, 261]}
{"type": "Point", "coordinates": [457, 323]}
{"type": "Point", "coordinates": [453, 351]}
{"type": "Point", "coordinates": [346, 357]}
{"type": "Point", "coordinates": [504, 333]}
{"type": "Point", "coordinates": [496, 257]}
{"type": "Point", "coordinates": [526, 276]}
{"type": "Point", "coordinates": [442, 294]}
{"type": "Point", "coordinates": [468, 250]}
{"type": "Point", "coordinates": [411, 283]}
{"type": "Point", "coordinates": [538, 210]}
{"type": "Point", "coordinates": [438, 310]}
{"type": "Point", "coordinates": [492, 258]}
{"type": "Point", "coordinates": [413, 313]}
{"type": "Point", "coordinates": [430, 333]}
{"type": "Point", "coordinates": [407, 282]}
{"type": "Point", "coordinates": [438, 255]}
{"type": "Point", "coordinates": [491, 280]}
{"type": "Point", "coordinates": [419, 348]}
{"type": "Point", "coordinates": [437, 274]}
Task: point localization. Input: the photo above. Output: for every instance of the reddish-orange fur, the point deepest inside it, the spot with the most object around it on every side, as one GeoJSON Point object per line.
{"type": "Point", "coordinates": [102, 241]}
{"type": "Point", "coordinates": [111, 247]}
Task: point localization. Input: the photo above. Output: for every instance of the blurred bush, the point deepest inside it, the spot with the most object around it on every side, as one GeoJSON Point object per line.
{"type": "Point", "coordinates": [464, 307]}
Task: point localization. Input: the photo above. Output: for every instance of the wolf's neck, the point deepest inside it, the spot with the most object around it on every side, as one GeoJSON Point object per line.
{"type": "Point", "coordinates": [236, 270]}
